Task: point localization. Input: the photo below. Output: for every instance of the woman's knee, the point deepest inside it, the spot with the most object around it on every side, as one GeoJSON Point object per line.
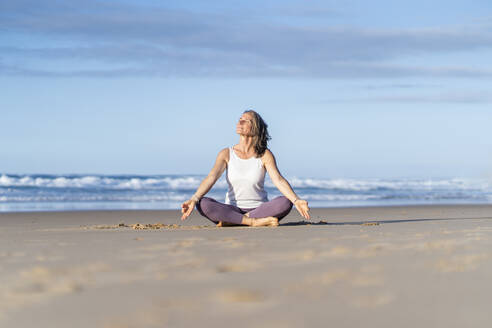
{"type": "Point", "coordinates": [205, 207]}
{"type": "Point", "coordinates": [203, 204]}
{"type": "Point", "coordinates": [284, 202]}
{"type": "Point", "coordinates": [284, 207]}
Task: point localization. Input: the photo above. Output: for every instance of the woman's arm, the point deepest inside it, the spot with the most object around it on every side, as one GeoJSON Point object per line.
{"type": "Point", "coordinates": [213, 175]}
{"type": "Point", "coordinates": [207, 183]}
{"type": "Point", "coordinates": [283, 185]}
{"type": "Point", "coordinates": [278, 180]}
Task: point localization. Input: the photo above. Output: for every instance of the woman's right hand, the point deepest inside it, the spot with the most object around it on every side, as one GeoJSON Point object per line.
{"type": "Point", "coordinates": [186, 208]}
{"type": "Point", "coordinates": [303, 208]}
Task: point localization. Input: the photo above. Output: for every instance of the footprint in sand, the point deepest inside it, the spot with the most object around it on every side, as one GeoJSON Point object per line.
{"type": "Point", "coordinates": [337, 252]}
{"type": "Point", "coordinates": [229, 242]}
{"type": "Point", "coordinates": [306, 255]}
{"type": "Point", "coordinates": [320, 285]}
{"type": "Point", "coordinates": [144, 317]}
{"type": "Point", "coordinates": [372, 301]}
{"type": "Point", "coordinates": [188, 263]}
{"type": "Point", "coordinates": [241, 296]}
{"type": "Point", "coordinates": [326, 278]}
{"type": "Point", "coordinates": [475, 236]}
{"type": "Point", "coordinates": [40, 283]}
{"type": "Point", "coordinates": [176, 246]}
{"type": "Point", "coordinates": [421, 235]}
{"type": "Point", "coordinates": [366, 276]}
{"type": "Point", "coordinates": [365, 280]}
{"type": "Point", "coordinates": [340, 252]}
{"type": "Point", "coordinates": [12, 254]}
{"type": "Point", "coordinates": [179, 248]}
{"type": "Point", "coordinates": [241, 265]}
{"type": "Point", "coordinates": [375, 249]}
{"type": "Point", "coordinates": [447, 245]}
{"type": "Point", "coordinates": [43, 258]}
{"type": "Point", "coordinates": [184, 244]}
{"type": "Point", "coordinates": [461, 263]}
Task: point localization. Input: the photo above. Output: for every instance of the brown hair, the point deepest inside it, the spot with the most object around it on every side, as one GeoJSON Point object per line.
{"type": "Point", "coordinates": [259, 129]}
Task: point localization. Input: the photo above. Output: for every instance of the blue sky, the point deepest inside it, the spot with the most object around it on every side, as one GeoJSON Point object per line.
{"type": "Point", "coordinates": [348, 88]}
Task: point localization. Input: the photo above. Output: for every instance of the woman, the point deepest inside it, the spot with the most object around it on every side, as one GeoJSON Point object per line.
{"type": "Point", "coordinates": [246, 200]}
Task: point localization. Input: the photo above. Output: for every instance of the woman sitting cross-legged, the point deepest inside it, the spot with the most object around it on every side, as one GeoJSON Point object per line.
{"type": "Point", "coordinates": [246, 201]}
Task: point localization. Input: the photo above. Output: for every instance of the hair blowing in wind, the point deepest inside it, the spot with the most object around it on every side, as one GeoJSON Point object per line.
{"type": "Point", "coordinates": [260, 133]}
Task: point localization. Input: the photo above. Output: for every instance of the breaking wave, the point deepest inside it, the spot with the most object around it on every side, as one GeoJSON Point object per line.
{"type": "Point", "coordinates": [73, 191]}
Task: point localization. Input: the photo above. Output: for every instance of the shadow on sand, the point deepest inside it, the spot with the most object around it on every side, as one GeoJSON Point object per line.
{"type": "Point", "coordinates": [372, 222]}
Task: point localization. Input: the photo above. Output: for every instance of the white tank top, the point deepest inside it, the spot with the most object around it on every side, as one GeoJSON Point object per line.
{"type": "Point", "coordinates": [246, 178]}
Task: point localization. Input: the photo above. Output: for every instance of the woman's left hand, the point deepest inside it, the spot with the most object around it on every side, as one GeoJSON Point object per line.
{"type": "Point", "coordinates": [303, 208]}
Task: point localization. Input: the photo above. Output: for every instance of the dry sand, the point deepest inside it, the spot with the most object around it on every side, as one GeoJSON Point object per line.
{"type": "Point", "coordinates": [409, 266]}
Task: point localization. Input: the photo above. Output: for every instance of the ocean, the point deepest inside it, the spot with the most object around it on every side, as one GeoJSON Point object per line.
{"type": "Point", "coordinates": [48, 192]}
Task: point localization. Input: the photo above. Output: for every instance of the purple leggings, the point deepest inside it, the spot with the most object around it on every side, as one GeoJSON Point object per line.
{"type": "Point", "coordinates": [278, 207]}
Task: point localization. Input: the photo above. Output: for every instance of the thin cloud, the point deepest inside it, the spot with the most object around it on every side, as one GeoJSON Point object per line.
{"type": "Point", "coordinates": [170, 42]}
{"type": "Point", "coordinates": [398, 86]}
{"type": "Point", "coordinates": [456, 97]}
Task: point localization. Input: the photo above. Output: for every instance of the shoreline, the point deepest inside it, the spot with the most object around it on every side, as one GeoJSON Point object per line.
{"type": "Point", "coordinates": [315, 208]}
{"type": "Point", "coordinates": [362, 212]}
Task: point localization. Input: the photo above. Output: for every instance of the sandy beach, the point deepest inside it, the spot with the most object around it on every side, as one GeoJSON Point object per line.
{"type": "Point", "coordinates": [398, 266]}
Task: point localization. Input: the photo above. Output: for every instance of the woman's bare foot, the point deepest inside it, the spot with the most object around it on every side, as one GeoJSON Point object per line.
{"type": "Point", "coordinates": [226, 224]}
{"type": "Point", "coordinates": [270, 221]}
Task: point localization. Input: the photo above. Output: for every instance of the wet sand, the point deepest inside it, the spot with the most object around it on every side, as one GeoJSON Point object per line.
{"type": "Point", "coordinates": [399, 266]}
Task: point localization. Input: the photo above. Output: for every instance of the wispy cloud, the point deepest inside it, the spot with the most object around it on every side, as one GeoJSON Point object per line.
{"type": "Point", "coordinates": [454, 98]}
{"type": "Point", "coordinates": [398, 86]}
{"type": "Point", "coordinates": [156, 41]}
{"type": "Point", "coordinates": [445, 97]}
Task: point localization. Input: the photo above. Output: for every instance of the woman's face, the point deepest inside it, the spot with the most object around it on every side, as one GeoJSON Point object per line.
{"type": "Point", "coordinates": [245, 124]}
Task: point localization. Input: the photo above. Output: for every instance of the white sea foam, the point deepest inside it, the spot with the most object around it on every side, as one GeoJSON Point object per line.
{"type": "Point", "coordinates": [374, 184]}
{"type": "Point", "coordinates": [335, 197]}
{"type": "Point", "coordinates": [192, 182]}
{"type": "Point", "coordinates": [93, 198]}
{"type": "Point", "coordinates": [135, 183]}
{"type": "Point", "coordinates": [168, 191]}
